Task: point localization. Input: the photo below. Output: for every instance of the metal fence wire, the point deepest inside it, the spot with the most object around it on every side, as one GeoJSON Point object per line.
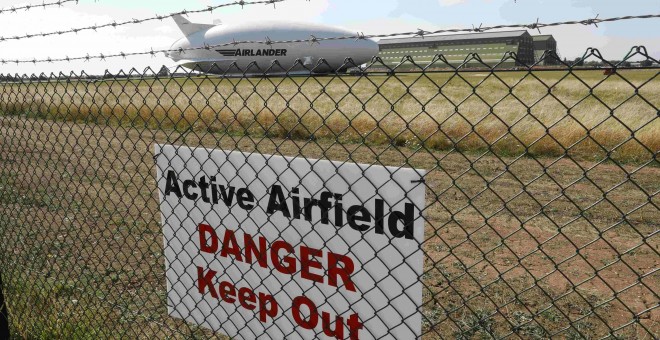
{"type": "Point", "coordinates": [540, 216]}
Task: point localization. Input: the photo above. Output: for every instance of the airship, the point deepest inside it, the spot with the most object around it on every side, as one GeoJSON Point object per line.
{"type": "Point", "coordinates": [218, 48]}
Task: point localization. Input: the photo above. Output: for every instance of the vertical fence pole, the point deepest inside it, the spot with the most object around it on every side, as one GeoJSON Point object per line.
{"type": "Point", "coordinates": [4, 318]}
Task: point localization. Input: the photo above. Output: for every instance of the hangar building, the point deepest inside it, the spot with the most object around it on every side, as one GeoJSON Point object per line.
{"type": "Point", "coordinates": [490, 46]}
{"type": "Point", "coordinates": [544, 43]}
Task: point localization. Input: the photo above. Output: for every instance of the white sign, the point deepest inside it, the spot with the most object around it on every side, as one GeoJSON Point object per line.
{"type": "Point", "coordinates": [276, 247]}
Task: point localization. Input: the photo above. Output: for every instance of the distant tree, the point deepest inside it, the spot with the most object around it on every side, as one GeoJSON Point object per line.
{"type": "Point", "coordinates": [107, 75]}
{"type": "Point", "coordinates": [578, 62]}
{"type": "Point", "coordinates": [164, 72]}
{"type": "Point", "coordinates": [614, 62]}
{"type": "Point", "coordinates": [620, 63]}
{"type": "Point", "coordinates": [646, 63]}
{"type": "Point", "coordinates": [594, 63]}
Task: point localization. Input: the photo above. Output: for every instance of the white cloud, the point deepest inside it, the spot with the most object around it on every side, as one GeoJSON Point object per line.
{"type": "Point", "coordinates": [451, 2]}
{"type": "Point", "coordinates": [166, 29]}
{"type": "Point", "coordinates": [128, 38]}
{"type": "Point", "coordinates": [404, 23]}
{"type": "Point", "coordinates": [573, 41]}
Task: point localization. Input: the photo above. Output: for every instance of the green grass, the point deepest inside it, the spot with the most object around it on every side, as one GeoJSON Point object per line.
{"type": "Point", "coordinates": [49, 309]}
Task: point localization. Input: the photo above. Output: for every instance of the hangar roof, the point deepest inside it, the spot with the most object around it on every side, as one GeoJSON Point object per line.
{"type": "Point", "coordinates": [543, 37]}
{"type": "Point", "coordinates": [455, 37]}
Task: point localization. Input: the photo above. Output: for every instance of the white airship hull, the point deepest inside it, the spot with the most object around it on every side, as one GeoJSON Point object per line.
{"type": "Point", "coordinates": [259, 58]}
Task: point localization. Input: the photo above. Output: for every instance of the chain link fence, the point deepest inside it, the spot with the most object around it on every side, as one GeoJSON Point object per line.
{"type": "Point", "coordinates": [540, 216]}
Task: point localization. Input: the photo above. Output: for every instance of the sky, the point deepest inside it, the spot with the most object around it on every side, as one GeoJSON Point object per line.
{"type": "Point", "coordinates": [614, 40]}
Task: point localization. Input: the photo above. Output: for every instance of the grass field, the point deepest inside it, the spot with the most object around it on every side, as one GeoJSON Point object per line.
{"type": "Point", "coordinates": [79, 203]}
{"type": "Point", "coordinates": [542, 113]}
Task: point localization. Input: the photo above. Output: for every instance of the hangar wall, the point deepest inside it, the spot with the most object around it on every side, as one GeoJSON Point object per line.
{"type": "Point", "coordinates": [543, 43]}
{"type": "Point", "coordinates": [490, 47]}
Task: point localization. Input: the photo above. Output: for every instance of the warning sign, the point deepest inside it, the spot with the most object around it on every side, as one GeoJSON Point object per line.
{"type": "Point", "coordinates": [291, 247]}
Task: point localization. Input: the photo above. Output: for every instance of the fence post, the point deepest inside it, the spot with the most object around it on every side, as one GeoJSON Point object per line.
{"type": "Point", "coordinates": [4, 317]}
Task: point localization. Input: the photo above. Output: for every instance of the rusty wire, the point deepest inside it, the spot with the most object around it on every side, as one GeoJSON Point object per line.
{"type": "Point", "coordinates": [44, 5]}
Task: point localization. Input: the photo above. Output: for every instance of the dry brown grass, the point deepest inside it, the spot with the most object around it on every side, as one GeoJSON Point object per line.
{"type": "Point", "coordinates": [545, 113]}
{"type": "Point", "coordinates": [79, 210]}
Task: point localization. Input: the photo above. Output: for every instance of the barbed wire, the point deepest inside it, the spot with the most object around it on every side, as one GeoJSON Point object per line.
{"type": "Point", "coordinates": [315, 40]}
{"type": "Point", "coordinates": [31, 6]}
{"type": "Point", "coordinates": [115, 24]}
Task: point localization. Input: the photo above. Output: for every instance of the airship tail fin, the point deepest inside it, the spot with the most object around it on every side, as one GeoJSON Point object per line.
{"type": "Point", "coordinates": [188, 27]}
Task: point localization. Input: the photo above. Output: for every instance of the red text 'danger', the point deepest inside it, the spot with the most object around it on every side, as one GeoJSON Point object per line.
{"type": "Point", "coordinates": [311, 264]}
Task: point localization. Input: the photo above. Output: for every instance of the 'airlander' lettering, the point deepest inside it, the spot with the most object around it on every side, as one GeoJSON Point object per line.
{"type": "Point", "coordinates": [276, 52]}
{"type": "Point", "coordinates": [327, 208]}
